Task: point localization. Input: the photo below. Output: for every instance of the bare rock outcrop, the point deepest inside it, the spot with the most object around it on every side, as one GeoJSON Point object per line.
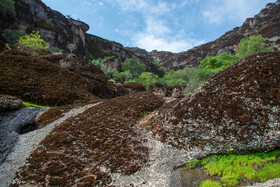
{"type": "Point", "coordinates": [237, 110]}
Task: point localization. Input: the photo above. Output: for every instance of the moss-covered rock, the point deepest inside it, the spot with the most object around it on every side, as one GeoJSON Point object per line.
{"type": "Point", "coordinates": [39, 81]}
{"type": "Point", "coordinates": [237, 109]}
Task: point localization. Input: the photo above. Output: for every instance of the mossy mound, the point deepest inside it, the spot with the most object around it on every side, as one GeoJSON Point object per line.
{"type": "Point", "coordinates": [238, 110]}
{"type": "Point", "coordinates": [85, 149]}
{"type": "Point", "coordinates": [39, 81]}
{"type": "Point", "coordinates": [134, 86]}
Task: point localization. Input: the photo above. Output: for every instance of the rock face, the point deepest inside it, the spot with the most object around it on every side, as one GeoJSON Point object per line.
{"type": "Point", "coordinates": [266, 23]}
{"type": "Point", "coordinates": [68, 34]}
{"type": "Point", "coordinates": [238, 110]}
{"type": "Point", "coordinates": [8, 103]}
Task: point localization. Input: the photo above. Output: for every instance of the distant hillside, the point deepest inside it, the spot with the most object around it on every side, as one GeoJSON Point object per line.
{"type": "Point", "coordinates": [266, 23]}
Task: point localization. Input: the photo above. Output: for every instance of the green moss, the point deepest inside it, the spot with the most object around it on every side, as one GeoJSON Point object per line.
{"type": "Point", "coordinates": [209, 183]}
{"type": "Point", "coordinates": [193, 163]}
{"type": "Point", "coordinates": [231, 168]}
{"type": "Point", "coordinates": [27, 104]}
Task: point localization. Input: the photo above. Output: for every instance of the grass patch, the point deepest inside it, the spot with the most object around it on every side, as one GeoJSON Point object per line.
{"type": "Point", "coordinates": [209, 183]}
{"type": "Point", "coordinates": [231, 168]}
{"type": "Point", "coordinates": [27, 104]}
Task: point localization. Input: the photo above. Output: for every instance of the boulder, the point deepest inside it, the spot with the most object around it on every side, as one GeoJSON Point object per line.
{"type": "Point", "coordinates": [13, 124]}
{"type": "Point", "coordinates": [39, 81]}
{"type": "Point", "coordinates": [8, 103]}
{"type": "Point", "coordinates": [237, 110]}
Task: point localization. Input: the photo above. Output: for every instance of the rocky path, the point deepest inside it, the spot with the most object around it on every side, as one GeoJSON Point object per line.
{"type": "Point", "coordinates": [27, 143]}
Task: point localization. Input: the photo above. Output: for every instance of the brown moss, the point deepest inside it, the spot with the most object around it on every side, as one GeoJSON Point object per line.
{"type": "Point", "coordinates": [102, 136]}
{"type": "Point", "coordinates": [238, 100]}
{"type": "Point", "coordinates": [39, 81]}
{"type": "Point", "coordinates": [134, 86]}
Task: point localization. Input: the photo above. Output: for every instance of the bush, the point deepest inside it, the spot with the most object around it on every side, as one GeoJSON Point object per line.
{"type": "Point", "coordinates": [179, 77]}
{"type": "Point", "coordinates": [134, 67]}
{"type": "Point", "coordinates": [147, 79]}
{"type": "Point", "coordinates": [32, 42]}
{"type": "Point", "coordinates": [218, 63]}
{"type": "Point", "coordinates": [12, 36]}
{"type": "Point", "coordinates": [50, 22]}
{"type": "Point", "coordinates": [123, 76]}
{"type": "Point", "coordinates": [252, 45]}
{"type": "Point", "coordinates": [7, 7]}
{"type": "Point", "coordinates": [196, 78]}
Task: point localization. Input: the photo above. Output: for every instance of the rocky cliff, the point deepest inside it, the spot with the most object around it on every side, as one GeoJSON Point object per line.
{"type": "Point", "coordinates": [266, 23]}
{"type": "Point", "coordinates": [67, 34]}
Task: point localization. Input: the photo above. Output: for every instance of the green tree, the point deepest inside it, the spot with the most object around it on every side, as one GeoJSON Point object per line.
{"type": "Point", "coordinates": [123, 76]}
{"type": "Point", "coordinates": [32, 42]}
{"type": "Point", "coordinates": [12, 36]}
{"type": "Point", "coordinates": [218, 63]}
{"type": "Point", "coordinates": [7, 7]}
{"type": "Point", "coordinates": [147, 79]}
{"type": "Point", "coordinates": [252, 45]}
{"type": "Point", "coordinates": [179, 77]}
{"type": "Point", "coordinates": [134, 67]}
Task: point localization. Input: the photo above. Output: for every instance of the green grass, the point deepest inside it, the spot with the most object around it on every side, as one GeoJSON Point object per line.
{"type": "Point", "coordinates": [209, 183]}
{"type": "Point", "coordinates": [27, 104]}
{"type": "Point", "coordinates": [231, 168]}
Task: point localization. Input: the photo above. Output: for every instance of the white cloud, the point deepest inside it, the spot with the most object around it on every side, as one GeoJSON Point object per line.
{"type": "Point", "coordinates": [151, 42]}
{"type": "Point", "coordinates": [157, 33]}
{"type": "Point", "coordinates": [228, 10]}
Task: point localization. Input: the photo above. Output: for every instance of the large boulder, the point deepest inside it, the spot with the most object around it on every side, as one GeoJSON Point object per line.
{"type": "Point", "coordinates": [237, 110]}
{"type": "Point", "coordinates": [13, 124]}
{"type": "Point", "coordinates": [40, 81]}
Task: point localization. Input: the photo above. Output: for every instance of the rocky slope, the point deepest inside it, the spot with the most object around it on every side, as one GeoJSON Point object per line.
{"type": "Point", "coordinates": [266, 23]}
{"type": "Point", "coordinates": [53, 80]}
{"type": "Point", "coordinates": [237, 110]}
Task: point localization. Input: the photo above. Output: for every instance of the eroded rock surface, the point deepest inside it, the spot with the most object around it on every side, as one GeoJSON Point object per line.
{"type": "Point", "coordinates": [238, 109]}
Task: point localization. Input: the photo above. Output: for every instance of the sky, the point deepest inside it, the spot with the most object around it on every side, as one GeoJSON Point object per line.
{"type": "Point", "coordinates": [163, 25]}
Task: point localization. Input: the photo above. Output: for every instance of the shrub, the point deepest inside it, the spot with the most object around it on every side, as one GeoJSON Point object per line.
{"type": "Point", "coordinates": [147, 79]}
{"type": "Point", "coordinates": [12, 36]}
{"type": "Point", "coordinates": [54, 50]}
{"type": "Point", "coordinates": [7, 7]}
{"type": "Point", "coordinates": [123, 76]}
{"type": "Point", "coordinates": [50, 22]}
{"type": "Point", "coordinates": [32, 42]}
{"type": "Point", "coordinates": [252, 45]}
{"type": "Point", "coordinates": [218, 63]}
{"type": "Point", "coordinates": [134, 67]}
{"type": "Point", "coordinates": [196, 78]}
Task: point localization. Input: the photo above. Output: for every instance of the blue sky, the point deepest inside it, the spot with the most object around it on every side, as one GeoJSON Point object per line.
{"type": "Point", "coordinates": [163, 25]}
